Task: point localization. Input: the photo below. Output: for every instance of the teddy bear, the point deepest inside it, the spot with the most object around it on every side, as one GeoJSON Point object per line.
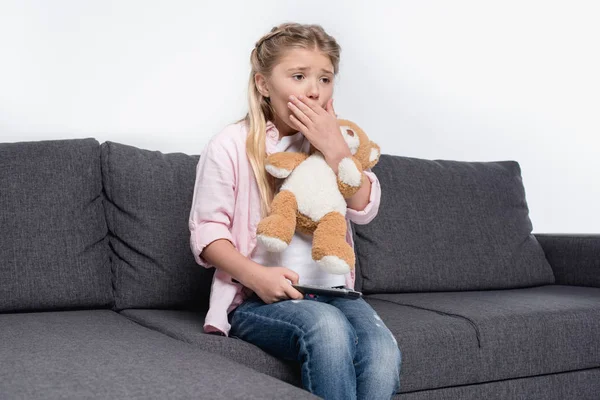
{"type": "Point", "coordinates": [311, 199]}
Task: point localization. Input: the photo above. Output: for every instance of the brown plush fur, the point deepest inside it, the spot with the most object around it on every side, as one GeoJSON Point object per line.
{"type": "Point", "coordinates": [305, 224]}
{"type": "Point", "coordinates": [364, 150]}
{"type": "Point", "coordinates": [330, 239]}
{"type": "Point", "coordinates": [286, 160]}
{"type": "Point", "coordinates": [281, 222]}
{"type": "Point", "coordinates": [329, 233]}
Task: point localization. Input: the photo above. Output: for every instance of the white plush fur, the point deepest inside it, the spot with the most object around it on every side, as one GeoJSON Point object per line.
{"type": "Point", "coordinates": [315, 186]}
{"type": "Point", "coordinates": [352, 141]}
{"type": "Point", "coordinates": [277, 172]}
{"type": "Point", "coordinates": [272, 244]}
{"type": "Point", "coordinates": [333, 265]}
{"type": "Point", "coordinates": [374, 154]}
{"type": "Point", "coordinates": [348, 173]}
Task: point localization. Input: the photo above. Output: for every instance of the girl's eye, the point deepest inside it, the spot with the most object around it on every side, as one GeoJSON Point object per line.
{"type": "Point", "coordinates": [293, 76]}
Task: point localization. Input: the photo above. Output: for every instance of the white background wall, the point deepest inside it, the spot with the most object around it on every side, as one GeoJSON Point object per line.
{"type": "Point", "coordinates": [460, 80]}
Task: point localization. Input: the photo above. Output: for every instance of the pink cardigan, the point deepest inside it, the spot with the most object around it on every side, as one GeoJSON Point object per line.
{"type": "Point", "coordinates": [226, 205]}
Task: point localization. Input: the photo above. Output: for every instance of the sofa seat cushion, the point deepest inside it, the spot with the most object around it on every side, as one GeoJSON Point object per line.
{"type": "Point", "coordinates": [575, 385]}
{"type": "Point", "coordinates": [101, 354]}
{"type": "Point", "coordinates": [428, 334]}
{"type": "Point", "coordinates": [447, 225]}
{"type": "Point", "coordinates": [54, 250]}
{"type": "Point", "coordinates": [514, 333]}
{"type": "Point", "coordinates": [187, 326]}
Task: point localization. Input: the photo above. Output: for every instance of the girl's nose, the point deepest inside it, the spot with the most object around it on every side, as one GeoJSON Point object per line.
{"type": "Point", "coordinates": [314, 99]}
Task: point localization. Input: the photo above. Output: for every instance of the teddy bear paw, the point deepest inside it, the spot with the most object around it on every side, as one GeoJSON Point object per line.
{"type": "Point", "coordinates": [374, 155]}
{"type": "Point", "coordinates": [278, 172]}
{"type": "Point", "coordinates": [272, 244]}
{"type": "Point", "coordinates": [349, 173]}
{"type": "Point", "coordinates": [334, 265]}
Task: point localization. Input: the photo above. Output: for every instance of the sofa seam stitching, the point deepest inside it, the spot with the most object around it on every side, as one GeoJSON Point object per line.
{"type": "Point", "coordinates": [475, 327]}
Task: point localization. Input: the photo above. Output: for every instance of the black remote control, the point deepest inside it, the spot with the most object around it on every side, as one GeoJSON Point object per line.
{"type": "Point", "coordinates": [328, 291]}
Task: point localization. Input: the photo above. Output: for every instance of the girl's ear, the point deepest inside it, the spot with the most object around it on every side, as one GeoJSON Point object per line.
{"type": "Point", "coordinates": [261, 84]}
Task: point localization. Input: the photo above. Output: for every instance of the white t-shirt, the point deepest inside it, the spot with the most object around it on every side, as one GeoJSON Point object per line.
{"type": "Point", "coordinates": [298, 255]}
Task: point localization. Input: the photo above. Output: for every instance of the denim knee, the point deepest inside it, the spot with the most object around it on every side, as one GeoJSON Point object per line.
{"type": "Point", "coordinates": [390, 356]}
{"type": "Point", "coordinates": [386, 358]}
{"type": "Point", "coordinates": [331, 330]}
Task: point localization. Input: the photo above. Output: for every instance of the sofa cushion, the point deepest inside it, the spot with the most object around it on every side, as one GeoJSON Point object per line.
{"type": "Point", "coordinates": [101, 354]}
{"type": "Point", "coordinates": [449, 225]}
{"type": "Point", "coordinates": [446, 338]}
{"type": "Point", "coordinates": [149, 198]}
{"type": "Point", "coordinates": [187, 326]}
{"type": "Point", "coordinates": [441, 347]}
{"type": "Point", "coordinates": [580, 385]}
{"type": "Point", "coordinates": [54, 250]}
{"type": "Point", "coordinates": [514, 333]}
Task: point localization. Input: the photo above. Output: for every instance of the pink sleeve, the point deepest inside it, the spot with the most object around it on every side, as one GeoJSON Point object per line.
{"type": "Point", "coordinates": [365, 216]}
{"type": "Point", "coordinates": [213, 200]}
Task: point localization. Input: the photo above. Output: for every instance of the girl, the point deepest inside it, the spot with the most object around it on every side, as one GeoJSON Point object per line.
{"type": "Point", "coordinates": [345, 349]}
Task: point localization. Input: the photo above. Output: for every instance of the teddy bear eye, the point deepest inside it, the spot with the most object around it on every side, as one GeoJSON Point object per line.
{"type": "Point", "coordinates": [350, 132]}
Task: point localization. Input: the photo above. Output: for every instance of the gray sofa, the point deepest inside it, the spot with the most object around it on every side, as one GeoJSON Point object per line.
{"type": "Point", "coordinates": [100, 296]}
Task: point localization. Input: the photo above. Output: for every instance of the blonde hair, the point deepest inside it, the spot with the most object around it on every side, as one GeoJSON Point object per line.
{"type": "Point", "coordinates": [268, 51]}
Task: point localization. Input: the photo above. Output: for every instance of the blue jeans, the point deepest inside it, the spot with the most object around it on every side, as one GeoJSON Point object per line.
{"type": "Point", "coordinates": [345, 349]}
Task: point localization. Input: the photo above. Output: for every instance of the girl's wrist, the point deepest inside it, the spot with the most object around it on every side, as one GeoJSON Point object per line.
{"type": "Point", "coordinates": [333, 158]}
{"type": "Point", "coordinates": [252, 274]}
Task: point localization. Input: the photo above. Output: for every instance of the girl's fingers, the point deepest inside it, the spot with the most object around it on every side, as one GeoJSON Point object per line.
{"type": "Point", "coordinates": [308, 107]}
{"type": "Point", "coordinates": [293, 293]}
{"type": "Point", "coordinates": [330, 109]}
{"type": "Point", "coordinates": [298, 124]}
{"type": "Point", "coordinates": [299, 114]}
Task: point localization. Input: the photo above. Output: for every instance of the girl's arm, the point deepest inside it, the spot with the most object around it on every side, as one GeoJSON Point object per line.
{"type": "Point", "coordinates": [271, 284]}
{"type": "Point", "coordinates": [222, 254]}
{"type": "Point", "coordinates": [213, 200]}
{"type": "Point", "coordinates": [366, 214]}
{"type": "Point", "coordinates": [360, 199]}
{"type": "Point", "coordinates": [363, 206]}
{"type": "Point", "coordinates": [212, 244]}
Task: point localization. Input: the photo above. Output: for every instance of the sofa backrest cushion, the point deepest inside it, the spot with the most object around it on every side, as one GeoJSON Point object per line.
{"type": "Point", "coordinates": [448, 225]}
{"type": "Point", "coordinates": [54, 251]}
{"type": "Point", "coordinates": [149, 195]}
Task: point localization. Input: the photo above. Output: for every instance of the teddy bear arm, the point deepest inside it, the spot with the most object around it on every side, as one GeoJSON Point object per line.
{"type": "Point", "coordinates": [281, 164]}
{"type": "Point", "coordinates": [350, 176]}
{"type": "Point", "coordinates": [374, 153]}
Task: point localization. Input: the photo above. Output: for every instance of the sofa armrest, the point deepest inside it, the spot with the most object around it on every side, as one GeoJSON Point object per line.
{"type": "Point", "coordinates": [574, 258]}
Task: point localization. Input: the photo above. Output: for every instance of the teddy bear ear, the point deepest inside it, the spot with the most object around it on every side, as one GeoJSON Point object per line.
{"type": "Point", "coordinates": [374, 153]}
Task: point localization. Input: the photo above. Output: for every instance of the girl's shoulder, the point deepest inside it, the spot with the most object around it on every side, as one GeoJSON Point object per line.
{"type": "Point", "coordinates": [229, 138]}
